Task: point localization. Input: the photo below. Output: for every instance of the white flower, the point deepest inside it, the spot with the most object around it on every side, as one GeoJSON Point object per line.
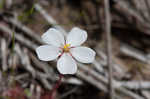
{"type": "Point", "coordinates": [66, 50]}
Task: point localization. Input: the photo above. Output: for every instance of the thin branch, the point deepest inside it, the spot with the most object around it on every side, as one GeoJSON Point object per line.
{"type": "Point", "coordinates": [4, 54]}
{"type": "Point", "coordinates": [109, 48]}
{"type": "Point", "coordinates": [134, 84]}
{"type": "Point", "coordinates": [135, 53]}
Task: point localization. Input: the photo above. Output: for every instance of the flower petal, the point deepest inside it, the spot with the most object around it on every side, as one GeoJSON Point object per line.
{"type": "Point", "coordinates": [53, 37]}
{"type": "Point", "coordinates": [76, 37]}
{"type": "Point", "coordinates": [66, 64]}
{"type": "Point", "coordinates": [47, 52]}
{"type": "Point", "coordinates": [83, 54]}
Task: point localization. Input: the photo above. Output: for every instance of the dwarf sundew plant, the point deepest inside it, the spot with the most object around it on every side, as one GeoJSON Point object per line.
{"type": "Point", "coordinates": [65, 49]}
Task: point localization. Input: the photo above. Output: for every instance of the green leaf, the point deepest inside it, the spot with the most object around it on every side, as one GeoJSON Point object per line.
{"type": "Point", "coordinates": [25, 15]}
{"type": "Point", "coordinates": [27, 92]}
{"type": "Point", "coordinates": [2, 2]}
{"type": "Point", "coordinates": [13, 42]}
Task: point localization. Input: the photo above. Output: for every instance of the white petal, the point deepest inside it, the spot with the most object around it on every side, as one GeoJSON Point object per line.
{"type": "Point", "coordinates": [47, 52]}
{"type": "Point", "coordinates": [76, 37]}
{"type": "Point", "coordinates": [53, 37]}
{"type": "Point", "coordinates": [66, 64]}
{"type": "Point", "coordinates": [83, 54]}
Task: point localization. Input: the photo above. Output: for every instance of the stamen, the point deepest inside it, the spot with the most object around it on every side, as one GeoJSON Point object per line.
{"type": "Point", "coordinates": [66, 48]}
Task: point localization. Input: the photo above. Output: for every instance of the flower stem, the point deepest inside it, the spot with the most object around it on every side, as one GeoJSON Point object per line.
{"type": "Point", "coordinates": [53, 91]}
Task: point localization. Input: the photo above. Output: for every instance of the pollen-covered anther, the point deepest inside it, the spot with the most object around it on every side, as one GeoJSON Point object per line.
{"type": "Point", "coordinates": [66, 47]}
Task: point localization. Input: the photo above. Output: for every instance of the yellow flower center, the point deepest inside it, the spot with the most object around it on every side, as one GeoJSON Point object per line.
{"type": "Point", "coordinates": [66, 48]}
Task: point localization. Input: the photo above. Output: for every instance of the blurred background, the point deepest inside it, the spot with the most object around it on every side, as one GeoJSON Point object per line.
{"type": "Point", "coordinates": [24, 76]}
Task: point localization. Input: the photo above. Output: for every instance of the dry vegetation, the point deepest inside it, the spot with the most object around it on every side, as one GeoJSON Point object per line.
{"type": "Point", "coordinates": [23, 76]}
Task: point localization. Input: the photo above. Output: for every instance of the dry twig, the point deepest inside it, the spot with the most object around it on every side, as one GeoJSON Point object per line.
{"type": "Point", "coordinates": [109, 48]}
